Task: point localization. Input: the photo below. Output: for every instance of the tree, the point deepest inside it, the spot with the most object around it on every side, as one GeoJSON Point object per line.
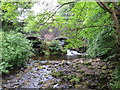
{"type": "Point", "coordinates": [11, 13]}
{"type": "Point", "coordinates": [86, 21]}
{"type": "Point", "coordinates": [113, 8]}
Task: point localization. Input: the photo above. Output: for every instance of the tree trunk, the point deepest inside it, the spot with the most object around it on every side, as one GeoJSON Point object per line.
{"type": "Point", "coordinates": [115, 14]}
{"type": "Point", "coordinates": [116, 27]}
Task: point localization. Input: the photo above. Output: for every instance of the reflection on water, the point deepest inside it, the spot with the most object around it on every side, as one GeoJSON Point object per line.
{"type": "Point", "coordinates": [55, 57]}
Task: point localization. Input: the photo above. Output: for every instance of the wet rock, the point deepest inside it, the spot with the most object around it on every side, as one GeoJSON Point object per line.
{"type": "Point", "coordinates": [46, 86]}
{"type": "Point", "coordinates": [104, 71]}
{"type": "Point", "coordinates": [78, 86]}
{"type": "Point", "coordinates": [86, 83]}
{"type": "Point", "coordinates": [16, 83]}
{"type": "Point", "coordinates": [70, 86]}
{"type": "Point", "coordinates": [41, 82]}
{"type": "Point", "coordinates": [28, 77]}
{"type": "Point", "coordinates": [40, 67]}
{"type": "Point", "coordinates": [87, 74]}
{"type": "Point", "coordinates": [75, 80]}
{"type": "Point", "coordinates": [81, 71]}
{"type": "Point", "coordinates": [34, 77]}
{"type": "Point", "coordinates": [64, 63]}
{"type": "Point", "coordinates": [78, 62]}
{"type": "Point", "coordinates": [79, 75]}
{"type": "Point", "coordinates": [64, 77]}
{"type": "Point", "coordinates": [74, 66]}
{"type": "Point", "coordinates": [32, 71]}
{"type": "Point", "coordinates": [44, 62]}
{"type": "Point", "coordinates": [96, 60]}
{"type": "Point", "coordinates": [53, 70]}
{"type": "Point", "coordinates": [36, 64]}
{"type": "Point", "coordinates": [55, 86]}
{"type": "Point", "coordinates": [104, 67]}
{"type": "Point", "coordinates": [110, 67]}
{"type": "Point", "coordinates": [93, 86]}
{"type": "Point", "coordinates": [108, 77]}
{"type": "Point", "coordinates": [110, 71]}
{"type": "Point", "coordinates": [70, 77]}
{"type": "Point", "coordinates": [86, 63]}
{"type": "Point", "coordinates": [99, 67]}
{"type": "Point", "coordinates": [90, 67]}
{"type": "Point", "coordinates": [57, 74]}
{"type": "Point", "coordinates": [18, 75]}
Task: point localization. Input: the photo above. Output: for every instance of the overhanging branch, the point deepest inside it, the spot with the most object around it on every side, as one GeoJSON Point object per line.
{"type": "Point", "coordinates": [60, 6]}
{"type": "Point", "coordinates": [115, 5]}
{"type": "Point", "coordinates": [104, 6]}
{"type": "Point", "coordinates": [95, 26]}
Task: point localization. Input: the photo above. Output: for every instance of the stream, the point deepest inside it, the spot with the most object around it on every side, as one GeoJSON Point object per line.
{"type": "Point", "coordinates": [61, 71]}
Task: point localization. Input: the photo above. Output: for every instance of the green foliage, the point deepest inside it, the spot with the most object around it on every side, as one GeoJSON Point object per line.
{"type": "Point", "coordinates": [83, 14]}
{"type": "Point", "coordinates": [4, 67]}
{"type": "Point", "coordinates": [16, 50]}
{"type": "Point", "coordinates": [103, 45]}
{"type": "Point", "coordinates": [116, 78]}
{"type": "Point", "coordinates": [13, 9]}
{"type": "Point", "coordinates": [36, 22]}
{"type": "Point", "coordinates": [45, 48]}
{"type": "Point", "coordinates": [55, 47]}
{"type": "Point", "coordinates": [66, 11]}
{"type": "Point", "coordinates": [11, 12]}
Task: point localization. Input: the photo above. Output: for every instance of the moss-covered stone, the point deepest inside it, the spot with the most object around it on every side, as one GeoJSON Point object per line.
{"type": "Point", "coordinates": [75, 80]}
{"type": "Point", "coordinates": [90, 67]}
{"type": "Point", "coordinates": [86, 83]}
{"type": "Point", "coordinates": [77, 86]}
{"type": "Point", "coordinates": [104, 71]}
{"type": "Point", "coordinates": [40, 67]}
{"type": "Point", "coordinates": [86, 63]}
{"type": "Point", "coordinates": [57, 74]}
{"type": "Point", "coordinates": [79, 75]}
{"type": "Point", "coordinates": [81, 71]}
{"type": "Point", "coordinates": [104, 67]}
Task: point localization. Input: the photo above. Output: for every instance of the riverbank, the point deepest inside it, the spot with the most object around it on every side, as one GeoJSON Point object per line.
{"type": "Point", "coordinates": [77, 73]}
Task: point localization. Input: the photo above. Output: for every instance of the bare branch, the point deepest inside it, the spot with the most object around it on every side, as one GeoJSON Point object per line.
{"type": "Point", "coordinates": [117, 11]}
{"type": "Point", "coordinates": [115, 5]}
{"type": "Point", "coordinates": [116, 22]}
{"type": "Point", "coordinates": [104, 6]}
{"type": "Point", "coordinates": [70, 2]}
{"type": "Point", "coordinates": [60, 6]}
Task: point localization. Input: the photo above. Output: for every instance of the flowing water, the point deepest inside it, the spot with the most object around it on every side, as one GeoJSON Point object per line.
{"type": "Point", "coordinates": [55, 57]}
{"type": "Point", "coordinates": [60, 71]}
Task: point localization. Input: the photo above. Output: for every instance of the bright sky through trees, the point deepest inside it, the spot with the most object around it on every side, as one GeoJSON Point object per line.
{"type": "Point", "coordinates": [44, 5]}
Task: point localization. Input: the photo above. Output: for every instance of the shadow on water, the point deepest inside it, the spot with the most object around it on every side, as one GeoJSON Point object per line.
{"type": "Point", "coordinates": [56, 57]}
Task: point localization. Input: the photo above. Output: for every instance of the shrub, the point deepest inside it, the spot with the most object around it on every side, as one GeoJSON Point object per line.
{"type": "Point", "coordinates": [116, 77]}
{"type": "Point", "coordinates": [55, 47]}
{"type": "Point", "coordinates": [104, 45]}
{"type": "Point", "coordinates": [15, 50]}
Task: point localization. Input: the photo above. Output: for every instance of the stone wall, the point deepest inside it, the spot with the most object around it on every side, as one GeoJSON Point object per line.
{"type": "Point", "coordinates": [50, 33]}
